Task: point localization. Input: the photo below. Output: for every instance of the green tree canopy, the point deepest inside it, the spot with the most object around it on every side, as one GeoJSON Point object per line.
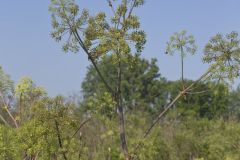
{"type": "Point", "coordinates": [143, 87]}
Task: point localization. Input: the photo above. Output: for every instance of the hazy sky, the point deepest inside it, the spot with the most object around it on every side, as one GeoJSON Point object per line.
{"type": "Point", "coordinates": [26, 48]}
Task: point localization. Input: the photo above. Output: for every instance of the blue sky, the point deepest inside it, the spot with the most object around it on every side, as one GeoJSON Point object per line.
{"type": "Point", "coordinates": [26, 48]}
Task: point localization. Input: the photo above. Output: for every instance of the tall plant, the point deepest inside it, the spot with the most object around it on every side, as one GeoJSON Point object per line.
{"type": "Point", "coordinates": [183, 44]}
{"type": "Point", "coordinates": [222, 53]}
{"type": "Point", "coordinates": [99, 35]}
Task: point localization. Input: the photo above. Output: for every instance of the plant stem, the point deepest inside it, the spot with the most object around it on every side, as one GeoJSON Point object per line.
{"type": "Point", "coordinates": [60, 139]}
{"type": "Point", "coordinates": [182, 56]}
{"type": "Point", "coordinates": [9, 113]}
{"type": "Point", "coordinates": [170, 105]}
{"type": "Point", "coordinates": [120, 111]}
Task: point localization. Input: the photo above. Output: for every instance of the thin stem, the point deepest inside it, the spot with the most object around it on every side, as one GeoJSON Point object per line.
{"type": "Point", "coordinates": [199, 92]}
{"type": "Point", "coordinates": [81, 125]}
{"type": "Point", "coordinates": [77, 36]}
{"type": "Point", "coordinates": [60, 139]}
{"type": "Point", "coordinates": [162, 113]}
{"type": "Point", "coordinates": [111, 6]}
{"type": "Point", "coordinates": [1, 117]}
{"type": "Point", "coordinates": [11, 116]}
{"type": "Point", "coordinates": [9, 113]}
{"type": "Point", "coordinates": [20, 109]}
{"type": "Point", "coordinates": [132, 7]}
{"type": "Point", "coordinates": [170, 105]}
{"type": "Point", "coordinates": [182, 56]}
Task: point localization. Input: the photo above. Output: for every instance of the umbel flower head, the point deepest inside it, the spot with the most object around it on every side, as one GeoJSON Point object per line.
{"type": "Point", "coordinates": [181, 42]}
{"type": "Point", "coordinates": [100, 34]}
{"type": "Point", "coordinates": [223, 53]}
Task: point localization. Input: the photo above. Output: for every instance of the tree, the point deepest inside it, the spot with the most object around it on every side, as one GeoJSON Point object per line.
{"type": "Point", "coordinates": [143, 87]}
{"type": "Point", "coordinates": [50, 132]}
{"type": "Point", "coordinates": [6, 84]}
{"type": "Point", "coordinates": [6, 93]}
{"type": "Point", "coordinates": [234, 103]}
{"type": "Point", "coordinates": [27, 93]}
